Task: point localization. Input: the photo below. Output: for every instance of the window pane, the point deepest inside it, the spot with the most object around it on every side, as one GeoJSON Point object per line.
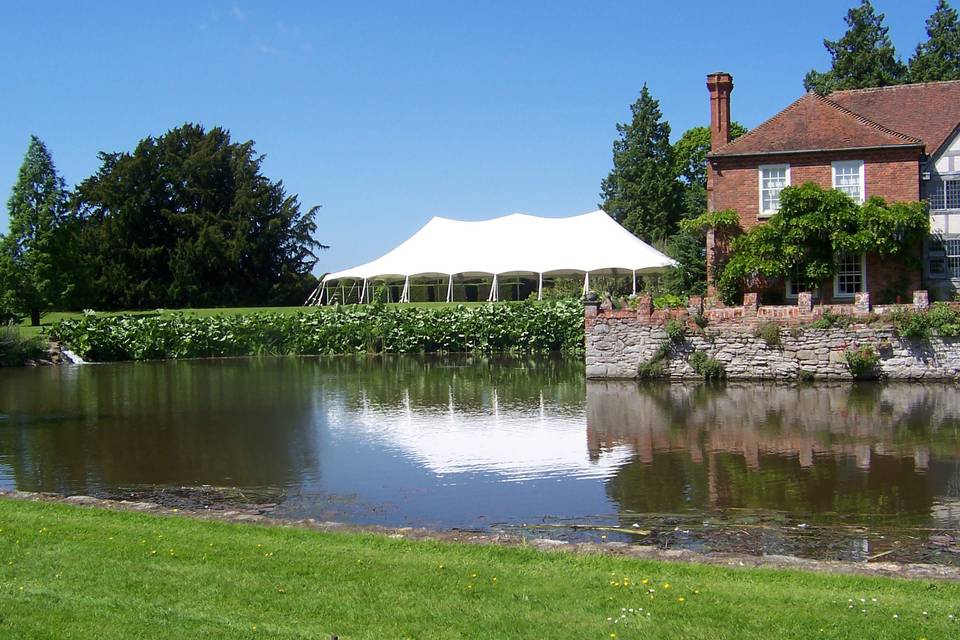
{"type": "Point", "coordinates": [954, 262]}
{"type": "Point", "coordinates": [772, 181]}
{"type": "Point", "coordinates": [938, 268]}
{"type": "Point", "coordinates": [847, 179]}
{"type": "Point", "coordinates": [849, 277]}
{"type": "Point", "coordinates": [952, 194]}
{"type": "Point", "coordinates": [937, 195]}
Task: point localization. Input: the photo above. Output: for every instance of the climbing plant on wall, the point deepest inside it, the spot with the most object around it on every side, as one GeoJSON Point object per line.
{"type": "Point", "coordinates": [813, 226]}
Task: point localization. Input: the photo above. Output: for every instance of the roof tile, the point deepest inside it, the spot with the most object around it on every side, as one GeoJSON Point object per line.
{"type": "Point", "coordinates": [814, 122]}
{"type": "Point", "coordinates": [929, 111]}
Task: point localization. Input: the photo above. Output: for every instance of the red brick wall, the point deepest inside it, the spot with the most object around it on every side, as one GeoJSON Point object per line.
{"type": "Point", "coordinates": [733, 183]}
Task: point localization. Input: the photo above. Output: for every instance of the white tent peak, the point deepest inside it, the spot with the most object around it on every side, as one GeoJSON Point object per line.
{"type": "Point", "coordinates": [518, 244]}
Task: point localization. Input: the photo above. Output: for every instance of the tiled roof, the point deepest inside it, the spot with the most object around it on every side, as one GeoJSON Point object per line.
{"type": "Point", "coordinates": [929, 111]}
{"type": "Point", "coordinates": [814, 122]}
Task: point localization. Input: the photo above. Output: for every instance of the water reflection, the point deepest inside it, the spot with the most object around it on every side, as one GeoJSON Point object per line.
{"type": "Point", "coordinates": [848, 450]}
{"type": "Point", "coordinates": [489, 442]}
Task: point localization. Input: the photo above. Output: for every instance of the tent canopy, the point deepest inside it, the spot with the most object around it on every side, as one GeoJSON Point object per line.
{"type": "Point", "coordinates": [517, 244]}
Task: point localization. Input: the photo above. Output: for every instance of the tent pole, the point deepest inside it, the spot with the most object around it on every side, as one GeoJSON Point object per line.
{"type": "Point", "coordinates": [634, 282]}
{"type": "Point", "coordinates": [324, 296]}
{"type": "Point", "coordinates": [586, 283]}
{"type": "Point", "coordinates": [494, 285]}
{"type": "Point", "coordinates": [363, 292]}
{"type": "Point", "coordinates": [540, 288]}
{"type": "Point", "coordinates": [450, 289]}
{"type": "Point", "coordinates": [405, 294]}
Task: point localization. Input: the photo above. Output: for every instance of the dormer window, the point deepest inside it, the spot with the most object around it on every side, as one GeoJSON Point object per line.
{"type": "Point", "coordinates": [773, 178]}
{"type": "Point", "coordinates": [848, 177]}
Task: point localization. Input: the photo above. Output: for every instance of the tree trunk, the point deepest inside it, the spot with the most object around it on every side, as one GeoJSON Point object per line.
{"type": "Point", "coordinates": [35, 317]}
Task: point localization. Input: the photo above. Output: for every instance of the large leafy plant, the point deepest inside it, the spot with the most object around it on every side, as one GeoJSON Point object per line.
{"type": "Point", "coordinates": [507, 327]}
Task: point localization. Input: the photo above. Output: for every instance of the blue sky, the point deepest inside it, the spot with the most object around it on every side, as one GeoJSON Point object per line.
{"type": "Point", "coordinates": [390, 113]}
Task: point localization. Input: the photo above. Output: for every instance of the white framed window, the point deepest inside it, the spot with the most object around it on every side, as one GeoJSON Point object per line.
{"type": "Point", "coordinates": [773, 178]}
{"type": "Point", "coordinates": [798, 282]}
{"type": "Point", "coordinates": [848, 177]}
{"type": "Point", "coordinates": [952, 247]}
{"type": "Point", "coordinates": [851, 276]}
{"type": "Point", "coordinates": [945, 193]}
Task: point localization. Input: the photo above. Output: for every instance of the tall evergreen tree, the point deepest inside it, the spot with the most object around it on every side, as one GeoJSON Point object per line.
{"type": "Point", "coordinates": [939, 57]}
{"type": "Point", "coordinates": [863, 57]}
{"type": "Point", "coordinates": [641, 192]}
{"type": "Point", "coordinates": [28, 262]}
{"type": "Point", "coordinates": [188, 220]}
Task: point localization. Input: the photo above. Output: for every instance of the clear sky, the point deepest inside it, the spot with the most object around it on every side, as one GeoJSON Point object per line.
{"type": "Point", "coordinates": [390, 113]}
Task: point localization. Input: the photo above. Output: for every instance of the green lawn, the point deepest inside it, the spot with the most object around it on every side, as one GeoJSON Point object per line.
{"type": "Point", "coordinates": [52, 317]}
{"type": "Point", "coordinates": [70, 572]}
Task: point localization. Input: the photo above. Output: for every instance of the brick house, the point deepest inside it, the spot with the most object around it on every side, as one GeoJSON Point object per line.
{"type": "Point", "coordinates": [901, 143]}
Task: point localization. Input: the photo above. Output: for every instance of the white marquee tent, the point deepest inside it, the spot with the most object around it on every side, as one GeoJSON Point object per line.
{"type": "Point", "coordinates": [513, 245]}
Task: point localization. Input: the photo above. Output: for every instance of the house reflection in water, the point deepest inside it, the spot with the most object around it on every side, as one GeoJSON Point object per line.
{"type": "Point", "coordinates": [811, 451]}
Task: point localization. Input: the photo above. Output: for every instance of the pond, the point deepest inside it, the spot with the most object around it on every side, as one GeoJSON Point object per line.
{"type": "Point", "coordinates": [523, 445]}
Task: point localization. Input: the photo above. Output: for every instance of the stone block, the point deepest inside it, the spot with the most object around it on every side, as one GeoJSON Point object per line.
{"type": "Point", "coordinates": [861, 303]}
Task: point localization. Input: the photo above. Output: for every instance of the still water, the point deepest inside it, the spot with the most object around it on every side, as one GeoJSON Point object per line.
{"type": "Point", "coordinates": [516, 444]}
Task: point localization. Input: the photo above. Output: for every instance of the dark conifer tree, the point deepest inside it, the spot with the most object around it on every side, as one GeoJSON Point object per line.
{"type": "Point", "coordinates": [641, 192]}
{"type": "Point", "coordinates": [939, 57]}
{"type": "Point", "coordinates": [863, 57]}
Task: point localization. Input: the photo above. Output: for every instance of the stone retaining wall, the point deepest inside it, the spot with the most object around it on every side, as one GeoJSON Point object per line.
{"type": "Point", "coordinates": [619, 341]}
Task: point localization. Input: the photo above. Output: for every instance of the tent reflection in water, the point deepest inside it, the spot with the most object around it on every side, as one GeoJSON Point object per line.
{"type": "Point", "coordinates": [458, 260]}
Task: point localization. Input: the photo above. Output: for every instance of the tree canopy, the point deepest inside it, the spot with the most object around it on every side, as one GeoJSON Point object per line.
{"type": "Point", "coordinates": [688, 245]}
{"type": "Point", "coordinates": [29, 268]}
{"type": "Point", "coordinates": [188, 220]}
{"type": "Point", "coordinates": [691, 149]}
{"type": "Point", "coordinates": [939, 57]}
{"type": "Point", "coordinates": [863, 57]}
{"type": "Point", "coordinates": [641, 192]}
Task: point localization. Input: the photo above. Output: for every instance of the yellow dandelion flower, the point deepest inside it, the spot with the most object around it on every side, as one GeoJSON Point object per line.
{"type": "Point", "coordinates": [681, 599]}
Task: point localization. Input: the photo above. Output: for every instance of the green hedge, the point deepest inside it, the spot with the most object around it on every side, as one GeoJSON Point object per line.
{"type": "Point", "coordinates": [504, 327]}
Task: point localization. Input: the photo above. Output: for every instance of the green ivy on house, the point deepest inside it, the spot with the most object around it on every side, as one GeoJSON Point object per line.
{"type": "Point", "coordinates": [812, 227]}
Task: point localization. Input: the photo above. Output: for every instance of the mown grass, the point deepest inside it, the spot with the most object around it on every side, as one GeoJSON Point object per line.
{"type": "Point", "coordinates": [69, 572]}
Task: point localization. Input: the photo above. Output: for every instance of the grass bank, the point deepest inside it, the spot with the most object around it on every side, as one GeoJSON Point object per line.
{"type": "Point", "coordinates": [17, 347]}
{"type": "Point", "coordinates": [69, 572]}
{"type": "Point", "coordinates": [440, 328]}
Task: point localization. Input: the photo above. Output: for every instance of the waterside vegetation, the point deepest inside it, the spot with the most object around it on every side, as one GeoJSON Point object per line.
{"type": "Point", "coordinates": [487, 328]}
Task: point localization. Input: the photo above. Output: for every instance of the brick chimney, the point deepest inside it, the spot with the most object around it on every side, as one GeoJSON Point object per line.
{"type": "Point", "coordinates": [720, 85]}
